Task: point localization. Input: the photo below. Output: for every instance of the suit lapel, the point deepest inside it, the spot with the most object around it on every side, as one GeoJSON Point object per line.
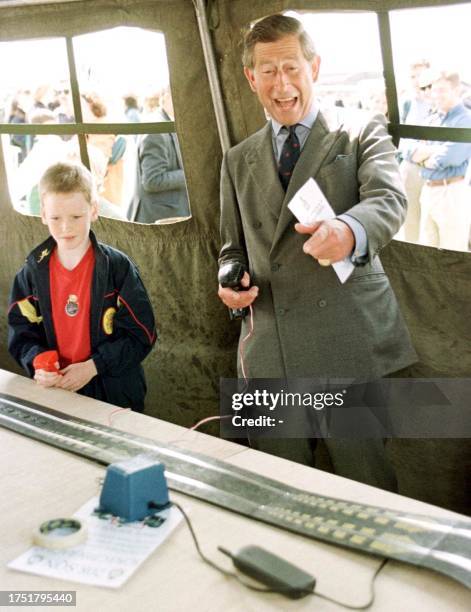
{"type": "Point", "coordinates": [315, 150]}
{"type": "Point", "coordinates": [260, 160]}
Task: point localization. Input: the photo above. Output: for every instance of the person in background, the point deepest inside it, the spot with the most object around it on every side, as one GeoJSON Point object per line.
{"type": "Point", "coordinates": [17, 115]}
{"type": "Point", "coordinates": [161, 187]}
{"type": "Point", "coordinates": [47, 150]}
{"type": "Point", "coordinates": [446, 195]}
{"type": "Point", "coordinates": [44, 98]}
{"type": "Point", "coordinates": [64, 112]}
{"type": "Point", "coordinates": [119, 151]}
{"type": "Point", "coordinates": [415, 111]}
{"type": "Point", "coordinates": [131, 109]}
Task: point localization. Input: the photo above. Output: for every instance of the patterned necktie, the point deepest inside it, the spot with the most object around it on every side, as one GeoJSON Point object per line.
{"type": "Point", "coordinates": [289, 156]}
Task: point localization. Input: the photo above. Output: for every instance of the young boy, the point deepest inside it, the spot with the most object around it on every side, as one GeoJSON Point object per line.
{"type": "Point", "coordinates": [82, 298]}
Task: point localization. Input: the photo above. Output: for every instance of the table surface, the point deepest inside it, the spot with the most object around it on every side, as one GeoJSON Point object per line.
{"type": "Point", "coordinates": [40, 482]}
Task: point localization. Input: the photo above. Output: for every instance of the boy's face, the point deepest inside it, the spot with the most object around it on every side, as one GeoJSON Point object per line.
{"type": "Point", "coordinates": [68, 217]}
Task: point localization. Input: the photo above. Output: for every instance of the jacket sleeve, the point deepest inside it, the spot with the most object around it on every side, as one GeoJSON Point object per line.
{"type": "Point", "coordinates": [159, 165]}
{"type": "Point", "coordinates": [134, 331]}
{"type": "Point", "coordinates": [383, 203]}
{"type": "Point", "coordinates": [232, 234]}
{"type": "Point", "coordinates": [26, 334]}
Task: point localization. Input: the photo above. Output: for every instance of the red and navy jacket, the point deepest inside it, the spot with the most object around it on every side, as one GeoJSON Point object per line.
{"type": "Point", "coordinates": [122, 326]}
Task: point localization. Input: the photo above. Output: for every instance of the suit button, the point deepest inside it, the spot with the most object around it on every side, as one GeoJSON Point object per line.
{"type": "Point", "coordinates": [257, 224]}
{"type": "Point", "coordinates": [322, 303]}
{"type": "Point", "coordinates": [275, 267]}
{"type": "Point", "coordinates": [281, 311]}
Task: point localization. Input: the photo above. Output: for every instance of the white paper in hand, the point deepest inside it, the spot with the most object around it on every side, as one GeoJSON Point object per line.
{"type": "Point", "coordinates": [309, 205]}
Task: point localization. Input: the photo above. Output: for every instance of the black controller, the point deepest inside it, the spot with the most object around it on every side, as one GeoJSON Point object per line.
{"type": "Point", "coordinates": [230, 275]}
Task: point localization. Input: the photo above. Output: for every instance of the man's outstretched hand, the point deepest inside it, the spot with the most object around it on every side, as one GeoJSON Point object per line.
{"type": "Point", "coordinates": [330, 240]}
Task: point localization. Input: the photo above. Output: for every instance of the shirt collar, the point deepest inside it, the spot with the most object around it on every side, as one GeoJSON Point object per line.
{"type": "Point", "coordinates": [307, 121]}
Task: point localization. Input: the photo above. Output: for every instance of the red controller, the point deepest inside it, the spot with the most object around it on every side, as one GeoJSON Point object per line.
{"type": "Point", "coordinates": [46, 361]}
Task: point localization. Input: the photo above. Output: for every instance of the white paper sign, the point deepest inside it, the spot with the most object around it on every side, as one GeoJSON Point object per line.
{"type": "Point", "coordinates": [309, 205]}
{"type": "Point", "coordinates": [110, 555]}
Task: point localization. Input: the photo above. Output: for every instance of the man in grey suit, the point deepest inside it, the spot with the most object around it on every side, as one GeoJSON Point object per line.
{"type": "Point", "coordinates": [306, 323]}
{"type": "Point", "coordinates": [160, 187]}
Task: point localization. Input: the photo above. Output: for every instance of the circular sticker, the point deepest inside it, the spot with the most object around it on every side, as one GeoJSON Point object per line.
{"type": "Point", "coordinates": [108, 320]}
{"type": "Point", "coordinates": [72, 307]}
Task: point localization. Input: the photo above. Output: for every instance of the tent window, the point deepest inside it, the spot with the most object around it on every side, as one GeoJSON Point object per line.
{"type": "Point", "coordinates": [421, 52]}
{"type": "Point", "coordinates": [103, 98]}
{"type": "Point", "coordinates": [433, 79]}
{"type": "Point", "coordinates": [438, 192]}
{"type": "Point", "coordinates": [351, 75]}
{"type": "Point", "coordinates": [434, 151]}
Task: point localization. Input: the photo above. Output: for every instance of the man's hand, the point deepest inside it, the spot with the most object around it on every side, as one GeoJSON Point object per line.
{"type": "Point", "coordinates": [430, 163]}
{"type": "Point", "coordinates": [47, 379]}
{"type": "Point", "coordinates": [331, 240]}
{"type": "Point", "coordinates": [421, 154]}
{"type": "Point", "coordinates": [77, 375]}
{"type": "Point", "coordinates": [425, 155]}
{"type": "Point", "coordinates": [238, 299]}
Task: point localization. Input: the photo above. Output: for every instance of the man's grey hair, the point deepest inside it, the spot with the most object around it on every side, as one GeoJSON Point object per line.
{"type": "Point", "coordinates": [271, 29]}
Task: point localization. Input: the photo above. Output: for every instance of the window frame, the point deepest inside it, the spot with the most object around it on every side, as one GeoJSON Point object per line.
{"type": "Point", "coordinates": [78, 127]}
{"type": "Point", "coordinates": [397, 129]}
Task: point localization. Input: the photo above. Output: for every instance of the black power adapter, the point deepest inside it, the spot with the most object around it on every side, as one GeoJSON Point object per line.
{"type": "Point", "coordinates": [273, 571]}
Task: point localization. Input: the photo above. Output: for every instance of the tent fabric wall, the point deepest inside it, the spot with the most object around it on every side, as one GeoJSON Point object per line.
{"type": "Point", "coordinates": [434, 290]}
{"type": "Point", "coordinates": [197, 342]}
{"type": "Point", "coordinates": [177, 262]}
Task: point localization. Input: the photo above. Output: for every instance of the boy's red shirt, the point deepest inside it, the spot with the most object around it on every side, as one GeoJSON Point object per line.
{"type": "Point", "coordinates": [70, 301]}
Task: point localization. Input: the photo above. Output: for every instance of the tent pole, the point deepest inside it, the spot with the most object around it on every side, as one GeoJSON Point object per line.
{"type": "Point", "coordinates": [214, 84]}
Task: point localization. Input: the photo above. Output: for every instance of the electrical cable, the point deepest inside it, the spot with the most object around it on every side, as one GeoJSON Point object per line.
{"type": "Point", "coordinates": [207, 420]}
{"type": "Point", "coordinates": [242, 343]}
{"type": "Point", "coordinates": [212, 563]}
{"type": "Point", "coordinates": [115, 412]}
{"type": "Point", "coordinates": [372, 592]}
{"type": "Point", "coordinates": [195, 540]}
{"type": "Point", "coordinates": [216, 418]}
{"type": "Point", "coordinates": [265, 590]}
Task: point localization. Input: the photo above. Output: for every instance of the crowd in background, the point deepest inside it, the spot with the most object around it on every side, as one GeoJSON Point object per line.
{"type": "Point", "coordinates": [123, 166]}
{"type": "Point", "coordinates": [113, 158]}
{"type": "Point", "coordinates": [436, 175]}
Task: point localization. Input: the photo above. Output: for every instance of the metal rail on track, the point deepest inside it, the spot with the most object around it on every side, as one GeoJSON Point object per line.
{"type": "Point", "coordinates": [440, 544]}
